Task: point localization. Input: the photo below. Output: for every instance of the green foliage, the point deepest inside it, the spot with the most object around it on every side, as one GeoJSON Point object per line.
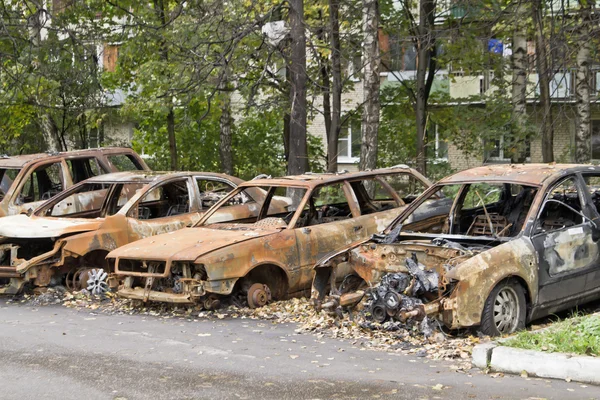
{"type": "Point", "coordinates": [579, 335]}
{"type": "Point", "coordinates": [258, 145]}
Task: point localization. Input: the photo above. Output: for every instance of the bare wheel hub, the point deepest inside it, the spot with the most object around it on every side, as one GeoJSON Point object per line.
{"type": "Point", "coordinates": [258, 295]}
{"type": "Point", "coordinates": [97, 282]}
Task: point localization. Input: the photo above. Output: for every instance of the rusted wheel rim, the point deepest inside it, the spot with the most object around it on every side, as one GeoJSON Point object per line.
{"type": "Point", "coordinates": [258, 295]}
{"type": "Point", "coordinates": [506, 310]}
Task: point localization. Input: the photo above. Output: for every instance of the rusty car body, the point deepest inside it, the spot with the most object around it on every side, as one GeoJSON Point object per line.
{"type": "Point", "coordinates": [518, 242]}
{"type": "Point", "coordinates": [272, 255]}
{"type": "Point", "coordinates": [68, 237]}
{"type": "Point", "coordinates": [27, 181]}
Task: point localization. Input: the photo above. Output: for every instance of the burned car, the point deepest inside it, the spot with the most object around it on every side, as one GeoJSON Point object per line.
{"type": "Point", "coordinates": [519, 242]}
{"type": "Point", "coordinates": [27, 181]}
{"type": "Point", "coordinates": [67, 239]}
{"type": "Point", "coordinates": [270, 255]}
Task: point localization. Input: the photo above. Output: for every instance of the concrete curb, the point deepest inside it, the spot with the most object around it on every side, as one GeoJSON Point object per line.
{"type": "Point", "coordinates": [536, 363]}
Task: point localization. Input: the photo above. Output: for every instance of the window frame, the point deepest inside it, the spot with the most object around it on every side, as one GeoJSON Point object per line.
{"type": "Point", "coordinates": [348, 158]}
{"type": "Point", "coordinates": [134, 208]}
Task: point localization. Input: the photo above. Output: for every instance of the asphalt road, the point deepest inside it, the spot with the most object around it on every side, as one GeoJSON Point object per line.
{"type": "Point", "coordinates": [53, 352]}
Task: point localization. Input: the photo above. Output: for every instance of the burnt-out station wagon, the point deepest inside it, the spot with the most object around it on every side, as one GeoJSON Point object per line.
{"type": "Point", "coordinates": [270, 255]}
{"type": "Point", "coordinates": [67, 239]}
{"type": "Point", "coordinates": [519, 242]}
{"type": "Point", "coordinates": [27, 181]}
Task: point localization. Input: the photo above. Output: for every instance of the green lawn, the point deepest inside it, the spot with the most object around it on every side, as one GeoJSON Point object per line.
{"type": "Point", "coordinates": [579, 335]}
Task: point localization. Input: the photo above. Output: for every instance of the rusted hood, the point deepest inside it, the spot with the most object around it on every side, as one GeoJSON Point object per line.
{"type": "Point", "coordinates": [22, 226]}
{"type": "Point", "coordinates": [186, 244]}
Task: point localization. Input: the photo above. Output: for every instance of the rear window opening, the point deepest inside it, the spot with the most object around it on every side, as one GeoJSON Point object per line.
{"type": "Point", "coordinates": [124, 162]}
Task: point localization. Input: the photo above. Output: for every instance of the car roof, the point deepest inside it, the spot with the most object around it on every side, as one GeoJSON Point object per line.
{"type": "Point", "coordinates": [527, 174]}
{"type": "Point", "coordinates": [311, 180]}
{"type": "Point", "coordinates": [151, 176]}
{"type": "Point", "coordinates": [22, 160]}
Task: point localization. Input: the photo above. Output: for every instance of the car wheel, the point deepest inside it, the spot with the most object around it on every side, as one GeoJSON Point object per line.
{"type": "Point", "coordinates": [505, 309]}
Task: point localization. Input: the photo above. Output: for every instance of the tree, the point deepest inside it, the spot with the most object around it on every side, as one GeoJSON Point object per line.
{"type": "Point", "coordinates": [519, 78]}
{"type": "Point", "coordinates": [371, 83]}
{"type": "Point", "coordinates": [583, 131]}
{"type": "Point", "coordinates": [544, 74]}
{"type": "Point", "coordinates": [425, 42]}
{"type": "Point", "coordinates": [333, 133]}
{"type": "Point", "coordinates": [298, 155]}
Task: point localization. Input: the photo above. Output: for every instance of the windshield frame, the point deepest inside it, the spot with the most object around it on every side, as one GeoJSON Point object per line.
{"type": "Point", "coordinates": [463, 185]}
{"type": "Point", "coordinates": [211, 211]}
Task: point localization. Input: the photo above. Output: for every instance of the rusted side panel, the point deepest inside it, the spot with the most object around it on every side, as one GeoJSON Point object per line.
{"type": "Point", "coordinates": [480, 274]}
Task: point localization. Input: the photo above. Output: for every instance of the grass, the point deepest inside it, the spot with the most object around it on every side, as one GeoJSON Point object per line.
{"type": "Point", "coordinates": [578, 335]}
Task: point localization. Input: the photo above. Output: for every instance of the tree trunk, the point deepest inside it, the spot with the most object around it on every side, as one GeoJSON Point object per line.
{"type": "Point", "coordinates": [160, 8]}
{"type": "Point", "coordinates": [426, 65]}
{"type": "Point", "coordinates": [336, 90]}
{"type": "Point", "coordinates": [544, 73]}
{"type": "Point", "coordinates": [225, 122]}
{"type": "Point", "coordinates": [50, 133]}
{"type": "Point", "coordinates": [298, 156]}
{"type": "Point", "coordinates": [519, 80]}
{"type": "Point", "coordinates": [583, 133]}
{"type": "Point", "coordinates": [326, 93]}
{"type": "Point", "coordinates": [172, 139]}
{"type": "Point", "coordinates": [371, 83]}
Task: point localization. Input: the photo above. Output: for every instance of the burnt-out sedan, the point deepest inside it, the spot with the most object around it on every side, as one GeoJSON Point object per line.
{"type": "Point", "coordinates": [271, 255]}
{"type": "Point", "coordinates": [519, 242]}
{"type": "Point", "coordinates": [67, 239]}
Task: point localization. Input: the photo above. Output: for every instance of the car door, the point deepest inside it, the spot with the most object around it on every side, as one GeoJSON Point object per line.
{"type": "Point", "coordinates": [165, 207]}
{"type": "Point", "coordinates": [592, 185]}
{"type": "Point", "coordinates": [563, 238]}
{"type": "Point", "coordinates": [329, 222]}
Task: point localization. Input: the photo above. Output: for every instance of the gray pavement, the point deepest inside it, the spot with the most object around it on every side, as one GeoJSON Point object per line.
{"type": "Point", "coordinates": [53, 352]}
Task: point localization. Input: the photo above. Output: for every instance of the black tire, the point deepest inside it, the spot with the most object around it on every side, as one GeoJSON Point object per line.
{"type": "Point", "coordinates": [505, 309]}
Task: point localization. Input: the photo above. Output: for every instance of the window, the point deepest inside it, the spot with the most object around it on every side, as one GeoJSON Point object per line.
{"type": "Point", "coordinates": [124, 162]}
{"type": "Point", "coordinates": [593, 184]}
{"type": "Point", "coordinates": [166, 200]}
{"type": "Point", "coordinates": [500, 149]}
{"type": "Point", "coordinates": [402, 54]}
{"type": "Point", "coordinates": [373, 196]}
{"type": "Point", "coordinates": [561, 209]}
{"type": "Point", "coordinates": [349, 141]}
{"type": "Point", "coordinates": [355, 68]}
{"type": "Point", "coordinates": [440, 147]}
{"type": "Point", "coordinates": [481, 194]}
{"type": "Point", "coordinates": [326, 204]}
{"type": "Point", "coordinates": [84, 168]}
{"type": "Point", "coordinates": [595, 139]}
{"type": "Point", "coordinates": [212, 191]}
{"type": "Point", "coordinates": [42, 184]}
{"type": "Point", "coordinates": [7, 176]}
{"type": "Point", "coordinates": [85, 202]}
{"type": "Point", "coordinates": [407, 186]}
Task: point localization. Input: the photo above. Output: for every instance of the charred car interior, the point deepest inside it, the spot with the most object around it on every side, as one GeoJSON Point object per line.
{"type": "Point", "coordinates": [504, 245]}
